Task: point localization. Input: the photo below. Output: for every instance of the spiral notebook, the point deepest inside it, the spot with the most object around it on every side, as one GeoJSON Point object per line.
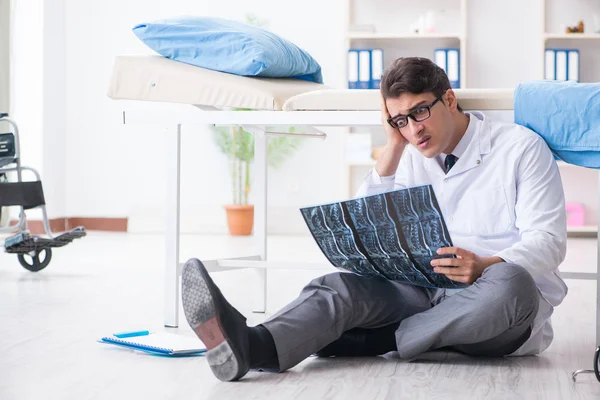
{"type": "Point", "coordinates": [162, 343]}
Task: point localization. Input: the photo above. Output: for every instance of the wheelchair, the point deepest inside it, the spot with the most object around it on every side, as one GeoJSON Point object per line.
{"type": "Point", "coordinates": [34, 252]}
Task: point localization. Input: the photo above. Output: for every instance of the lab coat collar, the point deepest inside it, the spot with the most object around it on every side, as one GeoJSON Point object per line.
{"type": "Point", "coordinates": [472, 157]}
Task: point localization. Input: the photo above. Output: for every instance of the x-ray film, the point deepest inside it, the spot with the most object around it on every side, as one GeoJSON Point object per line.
{"type": "Point", "coordinates": [394, 235]}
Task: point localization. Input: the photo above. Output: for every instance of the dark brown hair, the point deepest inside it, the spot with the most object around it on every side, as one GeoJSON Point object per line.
{"type": "Point", "coordinates": [414, 75]}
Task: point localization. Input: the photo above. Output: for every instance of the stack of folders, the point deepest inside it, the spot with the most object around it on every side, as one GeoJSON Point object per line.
{"type": "Point", "coordinates": [562, 65]}
{"type": "Point", "coordinates": [449, 61]}
{"type": "Point", "coordinates": [365, 67]}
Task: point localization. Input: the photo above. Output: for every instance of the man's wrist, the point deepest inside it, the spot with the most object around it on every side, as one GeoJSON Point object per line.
{"type": "Point", "coordinates": [396, 146]}
{"type": "Point", "coordinates": [489, 261]}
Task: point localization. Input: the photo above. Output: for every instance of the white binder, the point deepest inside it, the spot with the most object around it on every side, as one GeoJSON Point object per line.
{"type": "Point", "coordinates": [561, 65]}
{"type": "Point", "coordinates": [550, 72]}
{"type": "Point", "coordinates": [573, 65]}
{"type": "Point", "coordinates": [453, 68]}
{"type": "Point", "coordinates": [376, 68]}
{"type": "Point", "coordinates": [364, 69]}
{"type": "Point", "coordinates": [440, 58]}
{"type": "Point", "coordinates": [352, 69]}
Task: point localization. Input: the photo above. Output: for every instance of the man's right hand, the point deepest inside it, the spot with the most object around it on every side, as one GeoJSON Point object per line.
{"type": "Point", "coordinates": [390, 157]}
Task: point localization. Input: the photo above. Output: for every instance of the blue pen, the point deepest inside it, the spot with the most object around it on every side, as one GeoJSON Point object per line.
{"type": "Point", "coordinates": [123, 335]}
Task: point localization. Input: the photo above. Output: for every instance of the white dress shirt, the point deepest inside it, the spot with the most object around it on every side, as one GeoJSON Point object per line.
{"type": "Point", "coordinates": [503, 197]}
{"type": "Point", "coordinates": [461, 146]}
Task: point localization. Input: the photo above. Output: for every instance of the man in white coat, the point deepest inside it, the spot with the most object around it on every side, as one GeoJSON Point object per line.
{"type": "Point", "coordinates": [500, 191]}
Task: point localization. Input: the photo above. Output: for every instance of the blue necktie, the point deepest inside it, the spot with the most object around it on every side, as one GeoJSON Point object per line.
{"type": "Point", "coordinates": [449, 162]}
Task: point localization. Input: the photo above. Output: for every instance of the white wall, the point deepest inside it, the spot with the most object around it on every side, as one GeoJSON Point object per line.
{"type": "Point", "coordinates": [26, 71]}
{"type": "Point", "coordinates": [37, 48]}
{"type": "Point", "coordinates": [560, 14]}
{"type": "Point", "coordinates": [504, 44]}
{"type": "Point", "coordinates": [398, 15]}
{"type": "Point", "coordinates": [4, 63]}
{"type": "Point", "coordinates": [54, 114]}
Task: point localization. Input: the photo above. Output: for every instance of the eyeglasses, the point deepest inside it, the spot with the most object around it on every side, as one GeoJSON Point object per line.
{"type": "Point", "coordinates": [420, 114]}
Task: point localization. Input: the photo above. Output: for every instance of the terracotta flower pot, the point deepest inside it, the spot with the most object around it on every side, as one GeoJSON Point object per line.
{"type": "Point", "coordinates": [240, 219]}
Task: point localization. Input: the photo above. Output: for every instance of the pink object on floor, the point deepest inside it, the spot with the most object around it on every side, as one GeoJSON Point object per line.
{"type": "Point", "coordinates": [575, 214]}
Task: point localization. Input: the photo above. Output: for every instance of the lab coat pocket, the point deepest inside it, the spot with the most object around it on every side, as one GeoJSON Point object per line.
{"type": "Point", "coordinates": [483, 212]}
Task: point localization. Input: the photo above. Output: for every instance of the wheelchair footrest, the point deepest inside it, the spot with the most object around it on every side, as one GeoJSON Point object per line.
{"type": "Point", "coordinates": [23, 243]}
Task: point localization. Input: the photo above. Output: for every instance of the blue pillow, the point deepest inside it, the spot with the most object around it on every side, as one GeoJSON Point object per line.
{"type": "Point", "coordinates": [228, 46]}
{"type": "Point", "coordinates": [566, 115]}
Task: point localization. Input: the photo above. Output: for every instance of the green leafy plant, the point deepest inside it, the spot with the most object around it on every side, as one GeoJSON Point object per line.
{"type": "Point", "coordinates": [253, 19]}
{"type": "Point", "coordinates": [238, 145]}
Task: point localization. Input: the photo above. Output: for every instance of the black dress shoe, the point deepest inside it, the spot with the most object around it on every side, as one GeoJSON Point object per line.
{"type": "Point", "coordinates": [362, 342]}
{"type": "Point", "coordinates": [217, 323]}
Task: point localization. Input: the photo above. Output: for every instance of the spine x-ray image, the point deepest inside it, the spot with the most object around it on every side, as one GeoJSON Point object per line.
{"type": "Point", "coordinates": [393, 235]}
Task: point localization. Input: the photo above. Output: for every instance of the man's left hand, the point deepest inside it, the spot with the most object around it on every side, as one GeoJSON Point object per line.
{"type": "Point", "coordinates": [467, 267]}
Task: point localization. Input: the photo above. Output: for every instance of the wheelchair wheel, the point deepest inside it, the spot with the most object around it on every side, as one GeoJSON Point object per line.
{"type": "Point", "coordinates": [35, 263]}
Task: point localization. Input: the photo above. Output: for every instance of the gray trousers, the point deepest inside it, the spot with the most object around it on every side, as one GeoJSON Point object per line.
{"type": "Point", "coordinates": [492, 316]}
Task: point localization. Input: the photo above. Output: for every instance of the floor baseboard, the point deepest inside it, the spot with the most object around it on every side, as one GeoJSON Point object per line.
{"type": "Point", "coordinates": [64, 224]}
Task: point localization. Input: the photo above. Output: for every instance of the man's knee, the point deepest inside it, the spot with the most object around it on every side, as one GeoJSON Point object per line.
{"type": "Point", "coordinates": [337, 281]}
{"type": "Point", "coordinates": [513, 283]}
{"type": "Point", "coordinates": [509, 272]}
{"type": "Point", "coordinates": [349, 287]}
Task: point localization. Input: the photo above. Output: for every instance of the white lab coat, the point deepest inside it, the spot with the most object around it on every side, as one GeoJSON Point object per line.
{"type": "Point", "coordinates": [504, 197]}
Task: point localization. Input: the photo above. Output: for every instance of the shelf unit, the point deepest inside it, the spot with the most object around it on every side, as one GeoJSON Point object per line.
{"type": "Point", "coordinates": [583, 230]}
{"type": "Point", "coordinates": [572, 36]}
{"type": "Point", "coordinates": [404, 42]}
{"type": "Point", "coordinates": [553, 13]}
{"type": "Point", "coordinates": [399, 36]}
{"type": "Point", "coordinates": [555, 16]}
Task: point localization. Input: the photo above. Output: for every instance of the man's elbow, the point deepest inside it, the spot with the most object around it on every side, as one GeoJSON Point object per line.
{"type": "Point", "coordinates": [561, 250]}
{"type": "Point", "coordinates": [557, 248]}
{"type": "Point", "coordinates": [551, 248]}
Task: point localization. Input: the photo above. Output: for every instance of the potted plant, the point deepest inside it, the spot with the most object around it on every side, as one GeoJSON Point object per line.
{"type": "Point", "coordinates": [238, 146]}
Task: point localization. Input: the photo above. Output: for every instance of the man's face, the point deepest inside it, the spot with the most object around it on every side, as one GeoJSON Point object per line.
{"type": "Point", "coordinates": [431, 136]}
